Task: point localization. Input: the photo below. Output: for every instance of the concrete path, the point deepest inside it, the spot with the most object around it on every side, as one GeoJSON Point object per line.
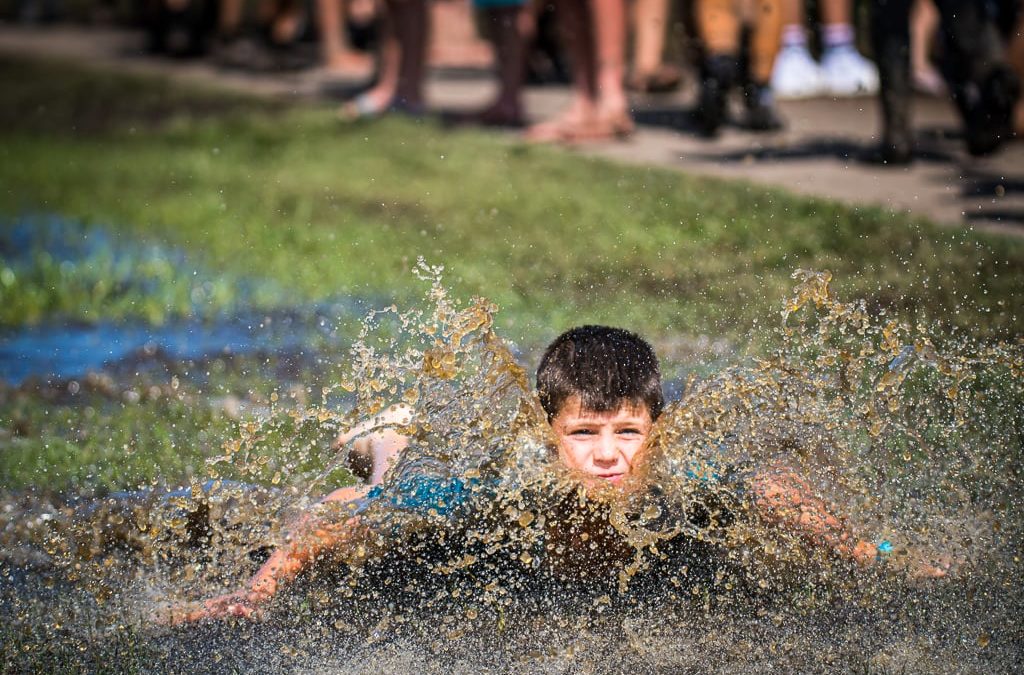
{"type": "Point", "coordinates": [815, 156]}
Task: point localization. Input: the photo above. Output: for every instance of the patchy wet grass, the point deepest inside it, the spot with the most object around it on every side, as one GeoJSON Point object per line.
{"type": "Point", "coordinates": [194, 203]}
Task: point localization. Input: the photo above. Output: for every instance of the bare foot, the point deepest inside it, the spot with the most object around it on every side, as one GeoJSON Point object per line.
{"type": "Point", "coordinates": [583, 122]}
{"type": "Point", "coordinates": [553, 131]}
{"type": "Point", "coordinates": [368, 105]}
{"type": "Point", "coordinates": [593, 128]}
{"type": "Point", "coordinates": [928, 81]}
{"type": "Point", "coordinates": [349, 64]}
{"type": "Point", "coordinates": [665, 77]}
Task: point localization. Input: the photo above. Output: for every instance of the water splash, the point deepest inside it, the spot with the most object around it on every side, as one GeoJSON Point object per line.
{"type": "Point", "coordinates": [914, 436]}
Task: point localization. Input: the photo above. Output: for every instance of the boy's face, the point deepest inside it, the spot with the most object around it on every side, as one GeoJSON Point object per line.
{"type": "Point", "coordinates": [602, 446]}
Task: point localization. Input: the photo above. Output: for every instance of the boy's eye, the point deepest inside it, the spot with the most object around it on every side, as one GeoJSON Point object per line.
{"type": "Point", "coordinates": [581, 432]}
{"type": "Point", "coordinates": [630, 431]}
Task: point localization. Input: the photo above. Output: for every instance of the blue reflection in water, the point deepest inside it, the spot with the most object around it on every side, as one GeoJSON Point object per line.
{"type": "Point", "coordinates": [249, 317]}
{"type": "Point", "coordinates": [68, 350]}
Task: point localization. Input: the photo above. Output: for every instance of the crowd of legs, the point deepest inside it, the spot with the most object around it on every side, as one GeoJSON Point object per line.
{"type": "Point", "coordinates": [754, 50]}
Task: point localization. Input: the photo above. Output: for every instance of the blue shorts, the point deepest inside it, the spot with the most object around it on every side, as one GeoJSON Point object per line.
{"type": "Point", "coordinates": [424, 495]}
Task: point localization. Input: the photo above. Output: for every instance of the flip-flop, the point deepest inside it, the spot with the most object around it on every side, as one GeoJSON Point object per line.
{"type": "Point", "coordinates": [664, 78]}
{"type": "Point", "coordinates": [364, 107]}
{"type": "Point", "coordinates": [617, 128]}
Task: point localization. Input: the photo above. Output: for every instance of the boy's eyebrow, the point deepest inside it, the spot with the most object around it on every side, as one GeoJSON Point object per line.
{"type": "Point", "coordinates": [597, 418]}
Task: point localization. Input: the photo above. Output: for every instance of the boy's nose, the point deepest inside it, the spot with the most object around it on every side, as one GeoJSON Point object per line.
{"type": "Point", "coordinates": [605, 451]}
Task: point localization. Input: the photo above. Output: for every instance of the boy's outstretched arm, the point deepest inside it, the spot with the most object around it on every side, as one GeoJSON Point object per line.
{"type": "Point", "coordinates": [787, 499]}
{"type": "Point", "coordinates": [310, 538]}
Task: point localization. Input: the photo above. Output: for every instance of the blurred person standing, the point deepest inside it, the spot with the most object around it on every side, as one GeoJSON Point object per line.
{"type": "Point", "coordinates": [924, 28]}
{"type": "Point", "coordinates": [1015, 56]}
{"type": "Point", "coordinates": [650, 73]}
{"type": "Point", "coordinates": [337, 55]}
{"type": "Point", "coordinates": [402, 63]}
{"type": "Point", "coordinates": [404, 34]}
{"type": "Point", "coordinates": [594, 32]}
{"type": "Point", "coordinates": [509, 25]}
{"type": "Point", "coordinates": [720, 26]}
{"type": "Point", "coordinates": [984, 87]}
{"type": "Point", "coordinates": [843, 71]}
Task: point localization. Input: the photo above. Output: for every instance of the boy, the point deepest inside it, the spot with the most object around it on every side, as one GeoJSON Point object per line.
{"type": "Point", "coordinates": [601, 390]}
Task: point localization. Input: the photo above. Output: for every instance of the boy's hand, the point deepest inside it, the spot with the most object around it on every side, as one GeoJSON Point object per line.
{"type": "Point", "coordinates": [923, 570]}
{"type": "Point", "coordinates": [917, 566]}
{"type": "Point", "coordinates": [245, 604]}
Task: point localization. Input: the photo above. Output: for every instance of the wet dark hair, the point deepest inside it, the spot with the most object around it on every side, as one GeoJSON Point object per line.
{"type": "Point", "coordinates": [605, 367]}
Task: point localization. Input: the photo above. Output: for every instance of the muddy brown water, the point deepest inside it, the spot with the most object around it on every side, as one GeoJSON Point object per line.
{"type": "Point", "coordinates": [913, 436]}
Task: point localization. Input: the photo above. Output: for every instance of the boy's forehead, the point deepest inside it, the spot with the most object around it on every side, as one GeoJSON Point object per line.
{"type": "Point", "coordinates": [574, 406]}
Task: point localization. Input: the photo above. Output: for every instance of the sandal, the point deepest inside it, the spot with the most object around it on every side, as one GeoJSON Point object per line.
{"type": "Point", "coordinates": [663, 79]}
{"type": "Point", "coordinates": [365, 107]}
{"type": "Point", "coordinates": [595, 129]}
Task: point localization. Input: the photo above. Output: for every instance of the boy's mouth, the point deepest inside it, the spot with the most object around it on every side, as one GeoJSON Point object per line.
{"type": "Point", "coordinates": [611, 477]}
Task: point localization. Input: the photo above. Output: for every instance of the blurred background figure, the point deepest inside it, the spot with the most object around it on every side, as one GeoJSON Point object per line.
{"type": "Point", "coordinates": [186, 28]}
{"type": "Point", "coordinates": [924, 28]}
{"type": "Point", "coordinates": [650, 73]}
{"type": "Point", "coordinates": [720, 25]}
{"type": "Point", "coordinates": [509, 25]}
{"type": "Point", "coordinates": [594, 34]}
{"type": "Point", "coordinates": [404, 35]}
{"type": "Point", "coordinates": [1015, 55]}
{"type": "Point", "coordinates": [842, 71]}
{"type": "Point", "coordinates": [403, 47]}
{"type": "Point", "coordinates": [984, 87]}
{"type": "Point", "coordinates": [337, 54]}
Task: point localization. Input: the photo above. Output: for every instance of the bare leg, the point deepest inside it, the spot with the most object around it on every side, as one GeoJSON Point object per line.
{"type": "Point", "coordinates": [574, 26]}
{"type": "Point", "coordinates": [379, 98]}
{"type": "Point", "coordinates": [924, 23]}
{"type": "Point", "coordinates": [835, 11]}
{"type": "Point", "coordinates": [608, 19]}
{"type": "Point", "coordinates": [286, 21]}
{"type": "Point", "coordinates": [792, 13]}
{"type": "Point", "coordinates": [230, 18]}
{"type": "Point", "coordinates": [509, 30]}
{"type": "Point", "coordinates": [650, 73]}
{"type": "Point", "coordinates": [766, 18]}
{"type": "Point", "coordinates": [412, 29]}
{"type": "Point", "coordinates": [337, 55]}
{"type": "Point", "coordinates": [718, 25]}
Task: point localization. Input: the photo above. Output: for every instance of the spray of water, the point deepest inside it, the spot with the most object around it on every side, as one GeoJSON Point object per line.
{"type": "Point", "coordinates": [912, 435]}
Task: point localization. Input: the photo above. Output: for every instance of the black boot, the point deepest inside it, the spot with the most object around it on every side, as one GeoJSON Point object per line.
{"type": "Point", "coordinates": [719, 75]}
{"type": "Point", "coordinates": [760, 105]}
{"type": "Point", "coordinates": [890, 33]}
{"type": "Point", "coordinates": [988, 110]}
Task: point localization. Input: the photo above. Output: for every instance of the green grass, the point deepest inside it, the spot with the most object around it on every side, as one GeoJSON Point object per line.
{"type": "Point", "coordinates": [284, 193]}
{"type": "Point", "coordinates": [555, 239]}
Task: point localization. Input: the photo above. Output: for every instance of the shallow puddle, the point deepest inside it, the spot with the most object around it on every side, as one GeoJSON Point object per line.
{"type": "Point", "coordinates": [912, 437]}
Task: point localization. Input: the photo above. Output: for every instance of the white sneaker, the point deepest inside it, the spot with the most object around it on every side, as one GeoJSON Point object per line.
{"type": "Point", "coordinates": [796, 74]}
{"type": "Point", "coordinates": [847, 73]}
